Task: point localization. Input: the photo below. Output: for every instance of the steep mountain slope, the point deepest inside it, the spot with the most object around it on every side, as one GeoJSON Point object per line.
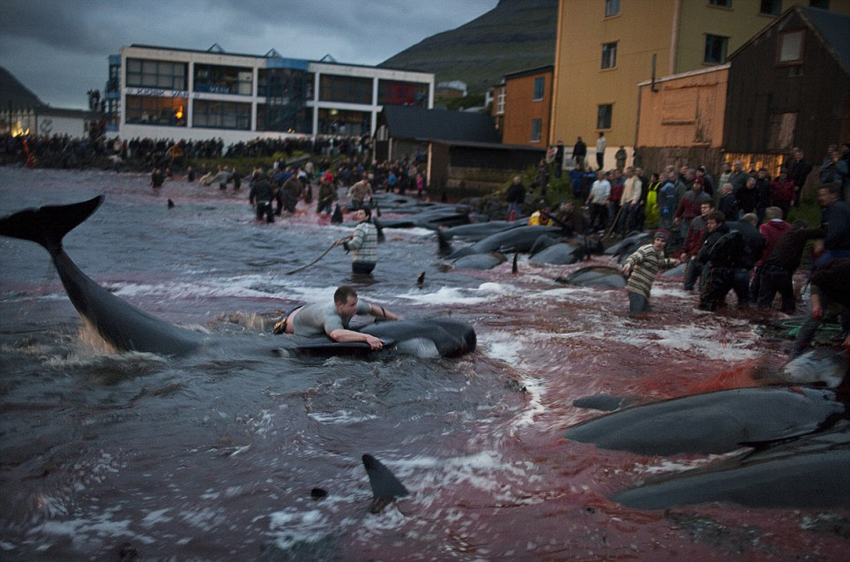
{"type": "Point", "coordinates": [515, 35]}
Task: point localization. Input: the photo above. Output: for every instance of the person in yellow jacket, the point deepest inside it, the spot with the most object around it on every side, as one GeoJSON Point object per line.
{"type": "Point", "coordinates": [652, 214]}
{"type": "Point", "coordinates": [540, 217]}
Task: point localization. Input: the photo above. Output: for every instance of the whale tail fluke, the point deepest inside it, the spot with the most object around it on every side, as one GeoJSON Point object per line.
{"type": "Point", "coordinates": [49, 224]}
{"type": "Point", "coordinates": [385, 486]}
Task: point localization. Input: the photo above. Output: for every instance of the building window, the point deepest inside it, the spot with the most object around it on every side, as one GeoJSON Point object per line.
{"type": "Point", "coordinates": [151, 110]}
{"type": "Point", "coordinates": [282, 83]}
{"type": "Point", "coordinates": [715, 49]}
{"type": "Point", "coordinates": [283, 118]}
{"type": "Point", "coordinates": [222, 115]}
{"type": "Point", "coordinates": [771, 7]}
{"type": "Point", "coordinates": [822, 4]}
{"type": "Point", "coordinates": [339, 122]}
{"type": "Point", "coordinates": [539, 84]}
{"type": "Point", "coordinates": [345, 89]}
{"type": "Point", "coordinates": [224, 79]}
{"type": "Point", "coordinates": [612, 8]}
{"type": "Point", "coordinates": [114, 82]}
{"type": "Point", "coordinates": [603, 116]}
{"type": "Point", "coordinates": [156, 74]}
{"type": "Point", "coordinates": [396, 92]}
{"type": "Point", "coordinates": [721, 3]}
{"type": "Point", "coordinates": [500, 101]}
{"type": "Point", "coordinates": [536, 129]}
{"type": "Point", "coordinates": [791, 47]}
{"type": "Point", "coordinates": [609, 55]}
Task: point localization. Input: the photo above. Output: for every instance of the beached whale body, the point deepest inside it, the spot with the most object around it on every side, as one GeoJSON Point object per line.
{"type": "Point", "coordinates": [811, 471]}
{"type": "Point", "coordinates": [127, 328]}
{"type": "Point", "coordinates": [714, 422]}
{"type": "Point", "coordinates": [519, 239]}
{"type": "Point", "coordinates": [796, 444]}
{"type": "Point", "coordinates": [595, 276]}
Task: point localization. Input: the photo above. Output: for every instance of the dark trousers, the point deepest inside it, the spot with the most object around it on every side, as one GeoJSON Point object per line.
{"type": "Point", "coordinates": [265, 208]}
{"type": "Point", "coordinates": [598, 216]}
{"type": "Point", "coordinates": [325, 205]}
{"type": "Point", "coordinates": [741, 284]}
{"type": "Point", "coordinates": [773, 279]}
{"type": "Point", "coordinates": [289, 203]}
{"type": "Point", "coordinates": [638, 303]}
{"type": "Point", "coordinates": [600, 158]}
{"type": "Point", "coordinates": [718, 282]}
{"type": "Point", "coordinates": [693, 271]}
{"type": "Point", "coordinates": [362, 267]}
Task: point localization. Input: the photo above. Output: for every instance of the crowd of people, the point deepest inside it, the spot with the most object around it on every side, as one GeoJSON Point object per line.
{"type": "Point", "coordinates": [757, 260]}
{"type": "Point", "coordinates": [64, 151]}
{"type": "Point", "coordinates": [731, 232]}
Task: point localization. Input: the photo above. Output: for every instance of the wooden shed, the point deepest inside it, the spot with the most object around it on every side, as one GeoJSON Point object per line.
{"type": "Point", "coordinates": [789, 86]}
{"type": "Point", "coordinates": [680, 119]}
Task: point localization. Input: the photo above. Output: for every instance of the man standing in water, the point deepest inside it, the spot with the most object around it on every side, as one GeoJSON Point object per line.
{"type": "Point", "coordinates": [364, 243]}
{"type": "Point", "coordinates": [333, 319]}
{"type": "Point", "coordinates": [641, 268]}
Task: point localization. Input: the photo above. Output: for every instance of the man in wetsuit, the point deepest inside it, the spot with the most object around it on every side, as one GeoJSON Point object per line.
{"type": "Point", "coordinates": [333, 319]}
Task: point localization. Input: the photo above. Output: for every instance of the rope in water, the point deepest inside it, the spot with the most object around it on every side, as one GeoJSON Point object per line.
{"type": "Point", "coordinates": [302, 268]}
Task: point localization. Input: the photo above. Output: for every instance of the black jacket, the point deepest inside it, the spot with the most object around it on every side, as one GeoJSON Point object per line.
{"type": "Point", "coordinates": [516, 193]}
{"type": "Point", "coordinates": [753, 243]}
{"type": "Point", "coordinates": [729, 207]}
{"type": "Point", "coordinates": [722, 248]}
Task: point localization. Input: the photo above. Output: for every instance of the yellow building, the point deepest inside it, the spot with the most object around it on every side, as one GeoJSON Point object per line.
{"type": "Point", "coordinates": [605, 48]}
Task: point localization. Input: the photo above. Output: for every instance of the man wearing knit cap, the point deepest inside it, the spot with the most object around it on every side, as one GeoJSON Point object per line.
{"type": "Point", "coordinates": [641, 268]}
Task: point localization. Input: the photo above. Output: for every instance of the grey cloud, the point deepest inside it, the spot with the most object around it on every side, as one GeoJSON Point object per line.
{"type": "Point", "coordinates": [59, 48]}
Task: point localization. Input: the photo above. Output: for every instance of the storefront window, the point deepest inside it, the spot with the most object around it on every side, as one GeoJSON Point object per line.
{"type": "Point", "coordinates": [336, 122]}
{"type": "Point", "coordinates": [222, 115]}
{"type": "Point", "coordinates": [150, 110]}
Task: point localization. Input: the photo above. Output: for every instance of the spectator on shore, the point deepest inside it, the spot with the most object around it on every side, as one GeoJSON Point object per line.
{"type": "Point", "coordinates": [597, 200]}
{"type": "Point", "coordinates": [515, 198]}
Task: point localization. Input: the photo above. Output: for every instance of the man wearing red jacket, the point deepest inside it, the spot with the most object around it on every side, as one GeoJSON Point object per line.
{"type": "Point", "coordinates": [769, 279]}
{"type": "Point", "coordinates": [689, 206]}
{"type": "Point", "coordinates": [782, 191]}
{"type": "Point", "coordinates": [693, 243]}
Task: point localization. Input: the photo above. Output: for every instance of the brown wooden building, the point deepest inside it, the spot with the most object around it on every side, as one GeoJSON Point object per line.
{"type": "Point", "coordinates": [680, 119]}
{"type": "Point", "coordinates": [789, 86]}
{"type": "Point", "coordinates": [527, 107]}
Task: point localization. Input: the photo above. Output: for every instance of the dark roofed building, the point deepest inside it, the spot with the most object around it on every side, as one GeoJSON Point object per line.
{"type": "Point", "coordinates": [418, 123]}
{"type": "Point", "coordinates": [789, 86]}
{"type": "Point", "coordinates": [457, 143]}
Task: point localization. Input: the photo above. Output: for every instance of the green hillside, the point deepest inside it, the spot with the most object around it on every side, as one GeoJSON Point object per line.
{"type": "Point", "coordinates": [515, 35]}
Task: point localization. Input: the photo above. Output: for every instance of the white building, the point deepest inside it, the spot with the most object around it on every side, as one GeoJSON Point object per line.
{"type": "Point", "coordinates": [158, 92]}
{"type": "Point", "coordinates": [46, 120]}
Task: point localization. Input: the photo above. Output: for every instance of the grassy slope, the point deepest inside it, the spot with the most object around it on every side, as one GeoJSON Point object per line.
{"type": "Point", "coordinates": [516, 35]}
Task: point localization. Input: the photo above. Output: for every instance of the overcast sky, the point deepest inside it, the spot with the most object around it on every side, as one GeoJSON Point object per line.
{"type": "Point", "coordinates": [59, 48]}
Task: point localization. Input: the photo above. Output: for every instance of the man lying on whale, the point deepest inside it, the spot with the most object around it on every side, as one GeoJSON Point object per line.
{"type": "Point", "coordinates": [320, 318]}
{"type": "Point", "coordinates": [127, 328]}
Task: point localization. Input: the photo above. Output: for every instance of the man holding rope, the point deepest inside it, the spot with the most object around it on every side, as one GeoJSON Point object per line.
{"type": "Point", "coordinates": [333, 320]}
